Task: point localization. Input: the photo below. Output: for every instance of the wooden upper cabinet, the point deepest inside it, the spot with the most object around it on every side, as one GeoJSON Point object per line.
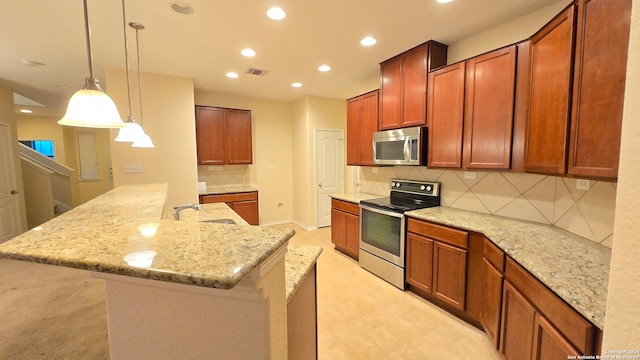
{"type": "Point", "coordinates": [403, 85]}
{"type": "Point", "coordinates": [362, 122]}
{"type": "Point", "coordinates": [223, 136]}
{"type": "Point", "coordinates": [489, 102]}
{"type": "Point", "coordinates": [546, 129]}
{"type": "Point", "coordinates": [602, 42]}
{"type": "Point", "coordinates": [210, 135]}
{"type": "Point", "coordinates": [239, 137]}
{"type": "Point", "coordinates": [445, 115]}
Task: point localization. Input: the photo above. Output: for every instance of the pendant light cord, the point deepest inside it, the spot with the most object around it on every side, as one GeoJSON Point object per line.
{"type": "Point", "coordinates": [126, 58]}
{"type": "Point", "coordinates": [88, 38]}
{"type": "Point", "coordinates": [139, 74]}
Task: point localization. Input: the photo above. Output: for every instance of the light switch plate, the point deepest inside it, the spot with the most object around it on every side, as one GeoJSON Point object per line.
{"type": "Point", "coordinates": [131, 168]}
{"type": "Point", "coordinates": [202, 186]}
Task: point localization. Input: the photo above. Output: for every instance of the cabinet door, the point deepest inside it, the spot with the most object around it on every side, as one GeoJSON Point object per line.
{"type": "Point", "coordinates": [419, 269]}
{"type": "Point", "coordinates": [339, 229]}
{"type": "Point", "coordinates": [391, 86]}
{"type": "Point", "coordinates": [353, 235]}
{"type": "Point", "coordinates": [489, 100]}
{"type": "Point", "coordinates": [414, 105]}
{"type": "Point", "coordinates": [210, 138]}
{"type": "Point", "coordinates": [445, 116]}
{"type": "Point", "coordinates": [354, 131]}
{"type": "Point", "coordinates": [238, 132]}
{"type": "Point", "coordinates": [548, 343]}
{"type": "Point", "coordinates": [518, 316]}
{"type": "Point", "coordinates": [248, 210]}
{"type": "Point", "coordinates": [550, 80]}
{"type": "Point", "coordinates": [492, 280]}
{"type": "Point", "coordinates": [369, 126]}
{"type": "Point", "coordinates": [598, 87]}
{"type": "Point", "coordinates": [450, 274]}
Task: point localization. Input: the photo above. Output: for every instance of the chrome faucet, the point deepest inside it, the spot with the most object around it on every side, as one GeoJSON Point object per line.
{"type": "Point", "coordinates": [176, 213]}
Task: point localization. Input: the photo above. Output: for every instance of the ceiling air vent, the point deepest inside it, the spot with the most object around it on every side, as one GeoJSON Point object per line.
{"type": "Point", "coordinates": [256, 72]}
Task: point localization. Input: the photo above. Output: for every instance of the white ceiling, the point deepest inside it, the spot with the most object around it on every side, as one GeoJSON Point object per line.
{"type": "Point", "coordinates": [206, 44]}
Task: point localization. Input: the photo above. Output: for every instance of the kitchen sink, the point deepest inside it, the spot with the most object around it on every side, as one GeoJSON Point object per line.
{"type": "Point", "coordinates": [220, 221]}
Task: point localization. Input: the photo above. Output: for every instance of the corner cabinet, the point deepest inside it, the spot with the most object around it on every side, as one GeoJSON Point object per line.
{"type": "Point", "coordinates": [403, 85]}
{"type": "Point", "coordinates": [244, 204]}
{"type": "Point", "coordinates": [598, 87]}
{"type": "Point", "coordinates": [223, 136]}
{"type": "Point", "coordinates": [437, 262]}
{"type": "Point", "coordinates": [345, 227]}
{"type": "Point", "coordinates": [362, 122]}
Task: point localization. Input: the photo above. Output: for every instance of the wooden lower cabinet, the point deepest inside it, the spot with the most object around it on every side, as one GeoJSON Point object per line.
{"type": "Point", "coordinates": [518, 316]}
{"type": "Point", "coordinates": [492, 282]}
{"type": "Point", "coordinates": [435, 266]}
{"type": "Point", "coordinates": [244, 204]}
{"type": "Point", "coordinates": [548, 342]}
{"type": "Point", "coordinates": [345, 227]}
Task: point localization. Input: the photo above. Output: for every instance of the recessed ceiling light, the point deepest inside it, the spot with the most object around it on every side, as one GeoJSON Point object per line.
{"type": "Point", "coordinates": [248, 52]}
{"type": "Point", "coordinates": [276, 13]}
{"type": "Point", "coordinates": [26, 111]}
{"type": "Point", "coordinates": [443, 1]}
{"type": "Point", "coordinates": [324, 68]}
{"type": "Point", "coordinates": [182, 7]}
{"type": "Point", "coordinates": [31, 62]}
{"type": "Point", "coordinates": [368, 41]}
{"type": "Point", "coordinates": [232, 75]}
{"type": "Point", "coordinates": [296, 85]}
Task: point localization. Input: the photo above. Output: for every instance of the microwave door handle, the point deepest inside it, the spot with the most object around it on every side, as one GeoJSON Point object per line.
{"type": "Point", "coordinates": [407, 148]}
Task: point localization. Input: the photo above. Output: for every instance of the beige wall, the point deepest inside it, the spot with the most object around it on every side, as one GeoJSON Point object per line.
{"type": "Point", "coordinates": [7, 116]}
{"type": "Point", "coordinates": [169, 120]}
{"type": "Point", "coordinates": [43, 128]}
{"type": "Point", "coordinates": [301, 165]}
{"type": "Point", "coordinates": [506, 34]}
{"type": "Point", "coordinates": [622, 319]}
{"type": "Point", "coordinates": [272, 170]}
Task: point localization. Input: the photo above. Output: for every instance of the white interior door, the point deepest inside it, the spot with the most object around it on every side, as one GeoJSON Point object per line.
{"type": "Point", "coordinates": [330, 171]}
{"type": "Point", "coordinates": [9, 218]}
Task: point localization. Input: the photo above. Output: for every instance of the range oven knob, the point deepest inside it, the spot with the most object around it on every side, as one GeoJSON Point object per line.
{"type": "Point", "coordinates": [422, 187]}
{"type": "Point", "coordinates": [429, 188]}
{"type": "Point", "coordinates": [393, 184]}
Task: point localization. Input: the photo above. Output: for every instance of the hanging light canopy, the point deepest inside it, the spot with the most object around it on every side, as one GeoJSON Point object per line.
{"type": "Point", "coordinates": [142, 141]}
{"type": "Point", "coordinates": [91, 106]}
{"type": "Point", "coordinates": [132, 131]}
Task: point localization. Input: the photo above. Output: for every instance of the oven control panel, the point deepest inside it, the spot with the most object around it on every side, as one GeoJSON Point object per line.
{"type": "Point", "coordinates": [428, 188]}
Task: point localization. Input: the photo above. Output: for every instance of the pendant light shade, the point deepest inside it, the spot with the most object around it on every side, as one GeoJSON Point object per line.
{"type": "Point", "coordinates": [91, 106]}
{"type": "Point", "coordinates": [143, 142]}
{"type": "Point", "coordinates": [130, 133]}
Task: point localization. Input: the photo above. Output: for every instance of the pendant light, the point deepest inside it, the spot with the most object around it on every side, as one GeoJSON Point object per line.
{"type": "Point", "coordinates": [132, 131]}
{"type": "Point", "coordinates": [91, 106]}
{"type": "Point", "coordinates": [143, 141]}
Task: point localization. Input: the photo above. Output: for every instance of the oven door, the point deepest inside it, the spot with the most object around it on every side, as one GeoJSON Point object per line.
{"type": "Point", "coordinates": [382, 234]}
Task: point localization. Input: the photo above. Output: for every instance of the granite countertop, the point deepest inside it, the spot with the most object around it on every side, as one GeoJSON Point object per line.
{"type": "Point", "coordinates": [220, 190]}
{"type": "Point", "coordinates": [574, 268]}
{"type": "Point", "coordinates": [356, 197]}
{"type": "Point", "coordinates": [127, 222]}
{"type": "Point", "coordinates": [298, 260]}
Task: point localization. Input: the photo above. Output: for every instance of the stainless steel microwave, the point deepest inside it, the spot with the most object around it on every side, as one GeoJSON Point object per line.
{"type": "Point", "coordinates": [405, 146]}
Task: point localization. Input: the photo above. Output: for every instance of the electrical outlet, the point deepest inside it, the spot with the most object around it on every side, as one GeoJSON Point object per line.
{"type": "Point", "coordinates": [582, 184]}
{"type": "Point", "coordinates": [470, 175]}
{"type": "Point", "coordinates": [219, 168]}
{"type": "Point", "coordinates": [131, 168]}
{"type": "Point", "coordinates": [374, 170]}
{"type": "Point", "coordinates": [202, 186]}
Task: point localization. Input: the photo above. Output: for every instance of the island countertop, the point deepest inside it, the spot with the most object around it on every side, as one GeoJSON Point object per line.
{"type": "Point", "coordinates": [127, 222]}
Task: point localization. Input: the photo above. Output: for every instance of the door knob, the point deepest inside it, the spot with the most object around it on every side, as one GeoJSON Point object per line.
{"type": "Point", "coordinates": [13, 192]}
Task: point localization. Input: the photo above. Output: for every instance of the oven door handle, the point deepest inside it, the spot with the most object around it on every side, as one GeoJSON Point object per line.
{"type": "Point", "coordinates": [380, 211]}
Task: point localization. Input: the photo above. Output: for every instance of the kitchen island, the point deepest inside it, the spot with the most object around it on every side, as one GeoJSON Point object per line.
{"type": "Point", "coordinates": [175, 289]}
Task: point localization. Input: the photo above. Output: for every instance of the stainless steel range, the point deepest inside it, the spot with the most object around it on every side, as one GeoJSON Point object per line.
{"type": "Point", "coordinates": [382, 227]}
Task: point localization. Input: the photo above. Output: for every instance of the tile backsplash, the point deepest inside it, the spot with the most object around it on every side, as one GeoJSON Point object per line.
{"type": "Point", "coordinates": [539, 198]}
{"type": "Point", "coordinates": [224, 176]}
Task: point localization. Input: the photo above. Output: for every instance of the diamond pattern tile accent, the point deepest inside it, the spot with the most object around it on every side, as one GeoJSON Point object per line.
{"type": "Point", "coordinates": [538, 198]}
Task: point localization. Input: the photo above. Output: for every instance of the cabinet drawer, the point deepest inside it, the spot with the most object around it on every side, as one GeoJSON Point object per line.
{"type": "Point", "coordinates": [568, 321]}
{"type": "Point", "coordinates": [494, 255]}
{"type": "Point", "coordinates": [447, 235]}
{"type": "Point", "coordinates": [345, 206]}
{"type": "Point", "coordinates": [218, 198]}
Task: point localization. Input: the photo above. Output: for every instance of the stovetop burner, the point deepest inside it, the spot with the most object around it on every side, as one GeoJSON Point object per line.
{"type": "Point", "coordinates": [407, 195]}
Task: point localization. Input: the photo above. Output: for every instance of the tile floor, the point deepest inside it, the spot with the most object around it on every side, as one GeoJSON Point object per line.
{"type": "Point", "coordinates": [362, 317]}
